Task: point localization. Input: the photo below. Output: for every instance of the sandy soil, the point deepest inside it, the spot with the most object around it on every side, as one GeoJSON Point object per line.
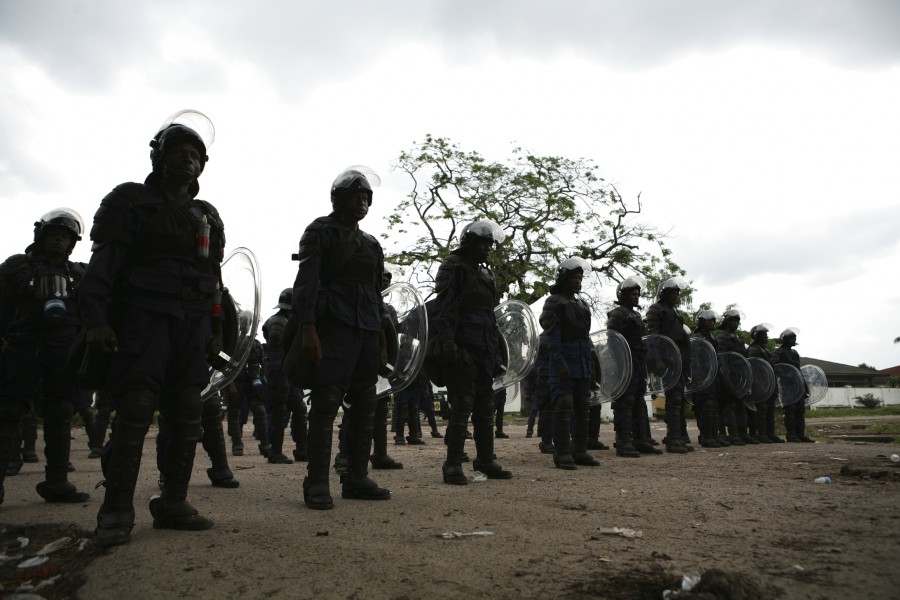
{"type": "Point", "coordinates": [753, 513]}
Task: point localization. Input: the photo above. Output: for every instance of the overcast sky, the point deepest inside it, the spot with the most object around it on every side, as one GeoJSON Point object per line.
{"type": "Point", "coordinates": [763, 136]}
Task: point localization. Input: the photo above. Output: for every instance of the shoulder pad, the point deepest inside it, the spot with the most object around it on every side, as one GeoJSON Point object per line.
{"type": "Point", "coordinates": [309, 241]}
{"type": "Point", "coordinates": [370, 238]}
{"type": "Point", "coordinates": [77, 269]}
{"type": "Point", "coordinates": [111, 219]}
{"type": "Point", "coordinates": [13, 263]}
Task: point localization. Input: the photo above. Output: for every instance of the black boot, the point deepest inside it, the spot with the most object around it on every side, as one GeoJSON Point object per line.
{"type": "Point", "coordinates": [545, 430]}
{"type": "Point", "coordinates": [121, 464]}
{"type": "Point", "coordinates": [235, 432]}
{"type": "Point", "coordinates": [57, 439]}
{"type": "Point", "coordinates": [10, 417]}
{"type": "Point", "coordinates": [800, 424]}
{"type": "Point", "coordinates": [276, 435]}
{"type": "Point", "coordinates": [455, 441]}
{"type": "Point", "coordinates": [261, 428]}
{"type": "Point", "coordinates": [324, 406]}
{"type": "Point", "coordinates": [29, 437]}
{"type": "Point", "coordinates": [356, 485]}
{"type": "Point", "coordinates": [213, 442]}
{"type": "Point", "coordinates": [623, 411]}
{"type": "Point", "coordinates": [483, 427]}
{"type": "Point", "coordinates": [790, 423]}
{"type": "Point", "coordinates": [562, 428]}
{"type": "Point", "coordinates": [401, 417]}
{"type": "Point", "coordinates": [172, 510]}
{"type": "Point", "coordinates": [299, 432]}
{"type": "Point", "coordinates": [580, 454]}
{"type": "Point", "coordinates": [642, 428]}
{"type": "Point", "coordinates": [15, 461]}
{"type": "Point", "coordinates": [380, 458]}
{"type": "Point", "coordinates": [674, 443]}
{"type": "Point", "coordinates": [532, 417]}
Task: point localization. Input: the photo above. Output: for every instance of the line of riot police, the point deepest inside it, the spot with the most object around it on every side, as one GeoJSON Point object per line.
{"type": "Point", "coordinates": [161, 320]}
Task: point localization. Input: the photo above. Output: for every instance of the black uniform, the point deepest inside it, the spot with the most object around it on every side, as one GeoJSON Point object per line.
{"type": "Point", "coordinates": [34, 355]}
{"type": "Point", "coordinates": [567, 323]}
{"type": "Point", "coordinates": [664, 319]}
{"type": "Point", "coordinates": [276, 383]}
{"type": "Point", "coordinates": [148, 281]}
{"type": "Point", "coordinates": [794, 414]}
{"type": "Point", "coordinates": [765, 411]}
{"type": "Point", "coordinates": [249, 390]}
{"type": "Point", "coordinates": [464, 320]}
{"type": "Point", "coordinates": [733, 409]}
{"type": "Point", "coordinates": [630, 417]}
{"type": "Point", "coordinates": [338, 289]}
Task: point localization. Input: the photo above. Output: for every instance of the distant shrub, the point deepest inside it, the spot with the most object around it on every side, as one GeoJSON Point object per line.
{"type": "Point", "coordinates": [867, 401]}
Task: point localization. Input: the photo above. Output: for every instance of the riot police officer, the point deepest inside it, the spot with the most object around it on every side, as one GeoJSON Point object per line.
{"type": "Point", "coordinates": [340, 344]}
{"type": "Point", "coordinates": [765, 411]}
{"type": "Point", "coordinates": [151, 301]}
{"type": "Point", "coordinates": [629, 410]}
{"type": "Point", "coordinates": [706, 401]}
{"type": "Point", "coordinates": [663, 318]}
{"type": "Point", "coordinates": [794, 414]}
{"type": "Point", "coordinates": [733, 409]}
{"type": "Point", "coordinates": [566, 320]}
{"type": "Point", "coordinates": [39, 320]}
{"type": "Point", "coordinates": [467, 341]}
{"type": "Point", "coordinates": [277, 387]}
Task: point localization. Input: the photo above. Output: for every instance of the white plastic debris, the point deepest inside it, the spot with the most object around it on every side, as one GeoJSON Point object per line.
{"type": "Point", "coordinates": [34, 561]}
{"type": "Point", "coordinates": [622, 532]}
{"type": "Point", "coordinates": [55, 545]}
{"type": "Point", "coordinates": [449, 535]}
{"type": "Point", "coordinates": [479, 476]}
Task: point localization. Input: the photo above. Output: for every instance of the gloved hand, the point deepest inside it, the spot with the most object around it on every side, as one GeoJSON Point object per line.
{"type": "Point", "coordinates": [312, 348]}
{"type": "Point", "coordinates": [102, 338]}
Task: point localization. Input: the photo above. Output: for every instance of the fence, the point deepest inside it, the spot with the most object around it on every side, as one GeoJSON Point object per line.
{"type": "Point", "coordinates": [842, 397]}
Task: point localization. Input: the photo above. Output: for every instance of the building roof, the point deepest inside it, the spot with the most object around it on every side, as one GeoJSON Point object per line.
{"type": "Point", "coordinates": [892, 371]}
{"type": "Point", "coordinates": [839, 374]}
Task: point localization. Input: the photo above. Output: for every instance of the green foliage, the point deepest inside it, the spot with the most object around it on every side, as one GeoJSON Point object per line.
{"type": "Point", "coordinates": [867, 401]}
{"type": "Point", "coordinates": [892, 410]}
{"type": "Point", "coordinates": [550, 207]}
{"type": "Point", "coordinates": [865, 366]}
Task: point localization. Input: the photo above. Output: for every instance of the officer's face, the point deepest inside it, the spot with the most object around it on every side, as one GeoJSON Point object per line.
{"type": "Point", "coordinates": [573, 281]}
{"type": "Point", "coordinates": [789, 340]}
{"type": "Point", "coordinates": [354, 205]}
{"type": "Point", "coordinates": [632, 296]}
{"type": "Point", "coordinates": [56, 241]}
{"type": "Point", "coordinates": [482, 249]}
{"type": "Point", "coordinates": [183, 162]}
{"type": "Point", "coordinates": [385, 281]}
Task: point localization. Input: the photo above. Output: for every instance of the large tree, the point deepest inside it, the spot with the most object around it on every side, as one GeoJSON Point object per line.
{"type": "Point", "coordinates": [550, 207]}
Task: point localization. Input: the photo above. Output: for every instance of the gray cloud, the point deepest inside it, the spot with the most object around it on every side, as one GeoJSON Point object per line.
{"type": "Point", "coordinates": [826, 255]}
{"type": "Point", "coordinates": [83, 44]}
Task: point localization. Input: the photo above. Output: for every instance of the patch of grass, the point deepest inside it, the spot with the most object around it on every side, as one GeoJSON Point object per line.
{"type": "Point", "coordinates": [853, 412]}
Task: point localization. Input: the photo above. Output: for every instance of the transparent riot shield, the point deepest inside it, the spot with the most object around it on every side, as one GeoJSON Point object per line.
{"type": "Point", "coordinates": [816, 383]}
{"type": "Point", "coordinates": [663, 360]}
{"type": "Point", "coordinates": [704, 365]}
{"type": "Point", "coordinates": [406, 330]}
{"type": "Point", "coordinates": [518, 342]}
{"type": "Point", "coordinates": [240, 309]}
{"type": "Point", "coordinates": [789, 383]}
{"type": "Point", "coordinates": [614, 359]}
{"type": "Point", "coordinates": [735, 373]}
{"type": "Point", "coordinates": [763, 381]}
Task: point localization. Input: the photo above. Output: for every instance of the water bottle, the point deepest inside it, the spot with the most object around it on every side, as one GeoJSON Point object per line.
{"type": "Point", "coordinates": [825, 480]}
{"type": "Point", "coordinates": [54, 309]}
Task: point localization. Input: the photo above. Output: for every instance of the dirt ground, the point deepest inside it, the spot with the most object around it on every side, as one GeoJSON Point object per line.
{"type": "Point", "coordinates": [750, 519]}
